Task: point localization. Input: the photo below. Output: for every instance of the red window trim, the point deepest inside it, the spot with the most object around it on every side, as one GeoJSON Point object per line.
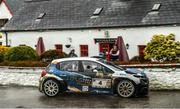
{"type": "Point", "coordinates": [84, 50]}
{"type": "Point", "coordinates": [140, 49]}
{"type": "Point", "coordinates": [59, 47]}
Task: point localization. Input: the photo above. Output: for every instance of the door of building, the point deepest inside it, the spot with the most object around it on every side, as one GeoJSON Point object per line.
{"type": "Point", "coordinates": [105, 48]}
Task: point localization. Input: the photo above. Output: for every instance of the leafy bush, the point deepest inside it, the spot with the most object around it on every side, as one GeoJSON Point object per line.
{"type": "Point", "coordinates": [139, 59]}
{"type": "Point", "coordinates": [3, 51]}
{"type": "Point", "coordinates": [52, 54]}
{"type": "Point", "coordinates": [163, 48]}
{"type": "Point", "coordinates": [1, 57]}
{"type": "Point", "coordinates": [21, 53]}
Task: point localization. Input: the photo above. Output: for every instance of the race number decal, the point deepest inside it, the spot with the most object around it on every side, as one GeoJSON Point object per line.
{"type": "Point", "coordinates": [85, 88]}
{"type": "Point", "coordinates": [101, 83]}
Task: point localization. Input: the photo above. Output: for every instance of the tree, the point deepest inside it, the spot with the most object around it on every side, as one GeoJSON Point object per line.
{"type": "Point", "coordinates": [163, 48]}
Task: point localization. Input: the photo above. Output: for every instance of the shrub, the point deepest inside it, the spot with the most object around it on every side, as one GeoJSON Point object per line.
{"type": "Point", "coordinates": [139, 59]}
{"type": "Point", "coordinates": [52, 54]}
{"type": "Point", "coordinates": [1, 57]}
{"type": "Point", "coordinates": [3, 51]}
{"type": "Point", "coordinates": [24, 63]}
{"type": "Point", "coordinates": [163, 48]}
{"type": "Point", "coordinates": [21, 53]}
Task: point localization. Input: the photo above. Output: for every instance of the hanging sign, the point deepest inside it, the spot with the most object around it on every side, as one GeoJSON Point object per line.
{"type": "Point", "coordinates": [105, 40]}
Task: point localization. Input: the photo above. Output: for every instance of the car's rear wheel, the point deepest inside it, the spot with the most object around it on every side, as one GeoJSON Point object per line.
{"type": "Point", "coordinates": [51, 87]}
{"type": "Point", "coordinates": [126, 88]}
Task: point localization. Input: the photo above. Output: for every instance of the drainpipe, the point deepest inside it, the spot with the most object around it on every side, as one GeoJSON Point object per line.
{"type": "Point", "coordinates": [6, 35]}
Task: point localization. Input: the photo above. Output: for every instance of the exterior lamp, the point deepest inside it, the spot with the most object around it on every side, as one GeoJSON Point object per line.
{"type": "Point", "coordinates": [69, 41]}
{"type": "Point", "coordinates": [68, 45]}
{"type": "Point", "coordinates": [127, 46]}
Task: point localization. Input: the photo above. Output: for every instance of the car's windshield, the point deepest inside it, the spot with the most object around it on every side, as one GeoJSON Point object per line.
{"type": "Point", "coordinates": [111, 65]}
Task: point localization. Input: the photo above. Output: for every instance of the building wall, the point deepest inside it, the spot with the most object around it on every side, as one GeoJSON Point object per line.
{"type": "Point", "coordinates": [4, 12]}
{"type": "Point", "coordinates": [132, 36]}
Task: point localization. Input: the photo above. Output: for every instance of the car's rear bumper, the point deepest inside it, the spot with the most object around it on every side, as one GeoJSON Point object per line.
{"type": "Point", "coordinates": [41, 84]}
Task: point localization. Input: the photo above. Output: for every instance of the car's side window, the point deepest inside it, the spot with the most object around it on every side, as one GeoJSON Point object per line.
{"type": "Point", "coordinates": [96, 70]}
{"type": "Point", "coordinates": [69, 66]}
{"type": "Point", "coordinates": [107, 70]}
{"type": "Point", "coordinates": [89, 66]}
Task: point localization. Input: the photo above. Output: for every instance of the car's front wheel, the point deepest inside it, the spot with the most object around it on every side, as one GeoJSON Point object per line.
{"type": "Point", "coordinates": [51, 87]}
{"type": "Point", "coordinates": [126, 88]}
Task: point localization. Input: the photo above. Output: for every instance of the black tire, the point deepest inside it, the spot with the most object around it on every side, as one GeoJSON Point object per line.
{"type": "Point", "coordinates": [51, 87]}
{"type": "Point", "coordinates": [126, 88]}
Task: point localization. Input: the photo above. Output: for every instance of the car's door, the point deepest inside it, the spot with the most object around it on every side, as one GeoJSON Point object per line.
{"type": "Point", "coordinates": [70, 68]}
{"type": "Point", "coordinates": [74, 79]}
{"type": "Point", "coordinates": [101, 75]}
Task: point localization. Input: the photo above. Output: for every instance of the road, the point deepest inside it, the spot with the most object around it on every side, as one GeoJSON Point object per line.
{"type": "Point", "coordinates": [29, 97]}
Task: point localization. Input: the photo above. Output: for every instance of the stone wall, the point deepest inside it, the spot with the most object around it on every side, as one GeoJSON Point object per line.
{"type": "Point", "coordinates": [20, 76]}
{"type": "Point", "coordinates": [160, 78]}
{"type": "Point", "coordinates": [164, 78]}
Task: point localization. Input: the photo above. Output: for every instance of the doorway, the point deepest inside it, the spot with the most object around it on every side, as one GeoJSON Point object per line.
{"type": "Point", "coordinates": [105, 48]}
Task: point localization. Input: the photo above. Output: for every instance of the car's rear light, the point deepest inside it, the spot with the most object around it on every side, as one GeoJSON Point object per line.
{"type": "Point", "coordinates": [43, 73]}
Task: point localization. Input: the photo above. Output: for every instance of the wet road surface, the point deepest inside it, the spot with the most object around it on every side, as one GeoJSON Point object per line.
{"type": "Point", "coordinates": [28, 97]}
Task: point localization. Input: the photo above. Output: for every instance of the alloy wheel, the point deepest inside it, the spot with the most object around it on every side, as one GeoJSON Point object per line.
{"type": "Point", "coordinates": [51, 88]}
{"type": "Point", "coordinates": [125, 88]}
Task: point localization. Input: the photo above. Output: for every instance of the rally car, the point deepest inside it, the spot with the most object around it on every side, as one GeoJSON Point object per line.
{"type": "Point", "coordinates": [91, 75]}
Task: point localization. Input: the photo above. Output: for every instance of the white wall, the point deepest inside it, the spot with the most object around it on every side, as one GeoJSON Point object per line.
{"type": "Point", "coordinates": [132, 36]}
{"type": "Point", "coordinates": [4, 12]}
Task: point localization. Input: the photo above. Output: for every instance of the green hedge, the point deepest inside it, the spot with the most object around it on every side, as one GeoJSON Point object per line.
{"type": "Point", "coordinates": [3, 51]}
{"type": "Point", "coordinates": [21, 53]}
{"type": "Point", "coordinates": [1, 57]}
{"type": "Point", "coordinates": [24, 63]}
{"type": "Point", "coordinates": [52, 54]}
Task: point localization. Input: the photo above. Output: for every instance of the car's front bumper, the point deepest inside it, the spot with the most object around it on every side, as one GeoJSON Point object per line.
{"type": "Point", "coordinates": [143, 87]}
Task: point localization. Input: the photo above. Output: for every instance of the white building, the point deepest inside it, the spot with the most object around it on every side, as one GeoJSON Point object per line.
{"type": "Point", "coordinates": [7, 10]}
{"type": "Point", "coordinates": [91, 26]}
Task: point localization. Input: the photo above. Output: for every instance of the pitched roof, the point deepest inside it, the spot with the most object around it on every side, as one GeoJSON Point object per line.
{"type": "Point", "coordinates": [14, 5]}
{"type": "Point", "coordinates": [78, 14]}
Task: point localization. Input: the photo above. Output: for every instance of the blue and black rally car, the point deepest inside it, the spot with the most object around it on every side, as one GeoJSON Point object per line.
{"type": "Point", "coordinates": [92, 75]}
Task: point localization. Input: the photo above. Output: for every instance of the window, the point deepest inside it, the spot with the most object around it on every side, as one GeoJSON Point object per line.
{"type": "Point", "coordinates": [88, 66]}
{"type": "Point", "coordinates": [101, 71]}
{"type": "Point", "coordinates": [69, 66]}
{"type": "Point", "coordinates": [59, 47]}
{"type": "Point", "coordinates": [41, 15]}
{"type": "Point", "coordinates": [141, 49]}
{"type": "Point", "coordinates": [84, 50]}
{"type": "Point", "coordinates": [3, 22]}
{"type": "Point", "coordinates": [156, 7]}
{"type": "Point", "coordinates": [97, 11]}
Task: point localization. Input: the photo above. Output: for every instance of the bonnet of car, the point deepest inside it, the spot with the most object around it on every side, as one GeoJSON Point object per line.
{"type": "Point", "coordinates": [135, 72]}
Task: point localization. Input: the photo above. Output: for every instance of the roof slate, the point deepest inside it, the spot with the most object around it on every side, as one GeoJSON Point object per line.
{"type": "Point", "coordinates": [77, 14]}
{"type": "Point", "coordinates": [14, 5]}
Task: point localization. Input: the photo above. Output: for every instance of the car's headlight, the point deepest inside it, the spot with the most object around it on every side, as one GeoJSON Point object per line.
{"type": "Point", "coordinates": [138, 75]}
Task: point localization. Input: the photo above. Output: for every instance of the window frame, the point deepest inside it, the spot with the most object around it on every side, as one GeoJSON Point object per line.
{"type": "Point", "coordinates": [58, 65]}
{"type": "Point", "coordinates": [103, 67]}
{"type": "Point", "coordinates": [60, 46]}
{"type": "Point", "coordinates": [84, 50]}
